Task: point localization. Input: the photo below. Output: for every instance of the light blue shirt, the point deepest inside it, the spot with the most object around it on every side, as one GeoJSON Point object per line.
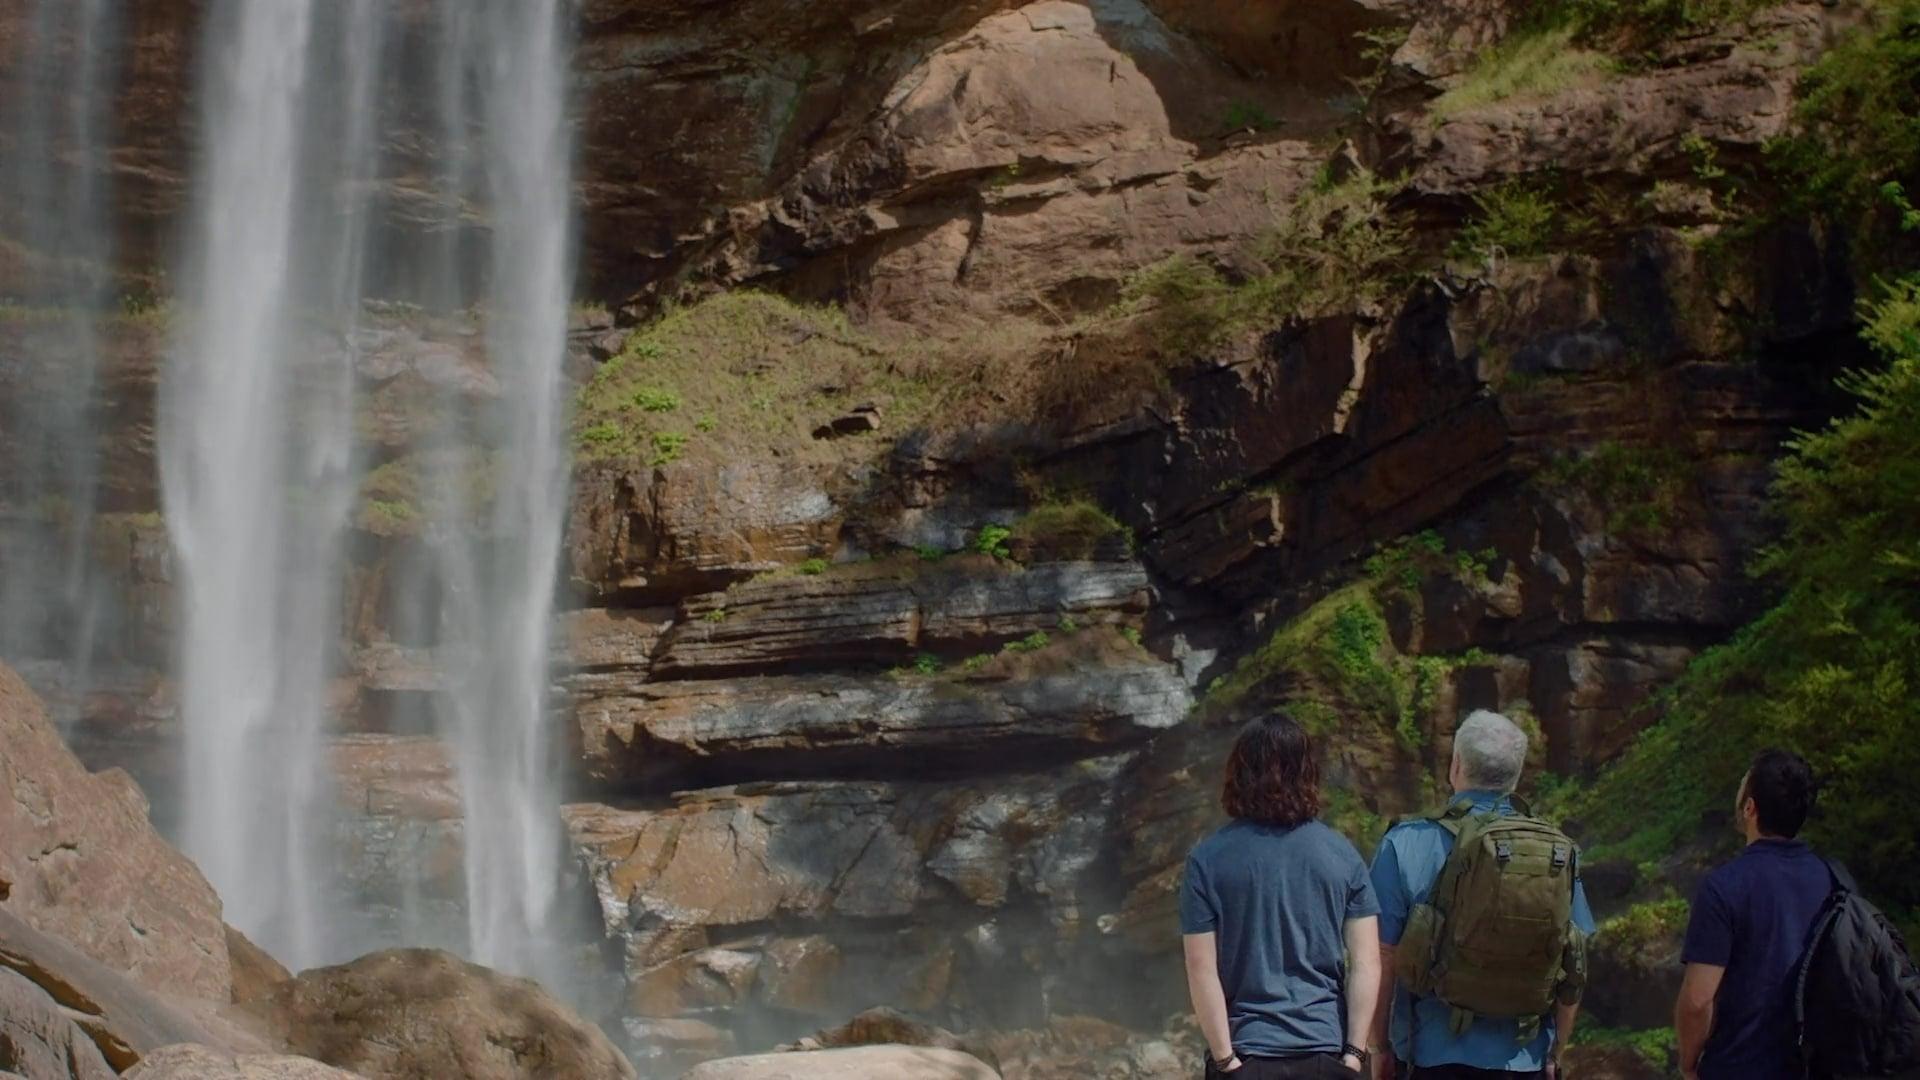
{"type": "Point", "coordinates": [1405, 869]}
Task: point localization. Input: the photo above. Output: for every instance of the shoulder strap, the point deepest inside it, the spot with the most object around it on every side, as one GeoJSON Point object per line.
{"type": "Point", "coordinates": [1842, 880]}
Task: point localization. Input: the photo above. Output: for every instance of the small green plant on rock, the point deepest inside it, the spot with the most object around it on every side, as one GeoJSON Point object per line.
{"type": "Point", "coordinates": [812, 567]}
{"type": "Point", "coordinates": [1640, 487]}
{"type": "Point", "coordinates": [1033, 642]}
{"type": "Point", "coordinates": [1248, 116]}
{"type": "Point", "coordinates": [655, 400]}
{"type": "Point", "coordinates": [992, 540]}
{"type": "Point", "coordinates": [926, 664]}
{"type": "Point", "coordinates": [667, 446]}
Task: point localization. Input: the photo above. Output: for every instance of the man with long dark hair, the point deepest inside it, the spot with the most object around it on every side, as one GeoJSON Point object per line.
{"type": "Point", "coordinates": [1279, 922]}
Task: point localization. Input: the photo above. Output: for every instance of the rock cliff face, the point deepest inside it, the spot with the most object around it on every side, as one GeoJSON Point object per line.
{"type": "Point", "coordinates": [929, 717]}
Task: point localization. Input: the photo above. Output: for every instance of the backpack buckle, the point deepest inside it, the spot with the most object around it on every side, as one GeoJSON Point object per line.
{"type": "Point", "coordinates": [1503, 850]}
{"type": "Point", "coordinates": [1561, 856]}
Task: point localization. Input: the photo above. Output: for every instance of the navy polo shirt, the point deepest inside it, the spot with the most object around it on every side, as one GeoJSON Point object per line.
{"type": "Point", "coordinates": [1752, 917]}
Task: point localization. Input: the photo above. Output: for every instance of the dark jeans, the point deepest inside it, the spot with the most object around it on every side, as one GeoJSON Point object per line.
{"type": "Point", "coordinates": [1305, 1067]}
{"type": "Point", "coordinates": [1466, 1072]}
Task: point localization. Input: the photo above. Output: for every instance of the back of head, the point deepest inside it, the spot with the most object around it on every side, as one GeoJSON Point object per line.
{"type": "Point", "coordinates": [1491, 751]}
{"type": "Point", "coordinates": [1273, 776]}
{"type": "Point", "coordinates": [1783, 789]}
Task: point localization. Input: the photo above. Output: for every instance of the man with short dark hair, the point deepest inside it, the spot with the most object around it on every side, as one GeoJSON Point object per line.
{"type": "Point", "coordinates": [1749, 925]}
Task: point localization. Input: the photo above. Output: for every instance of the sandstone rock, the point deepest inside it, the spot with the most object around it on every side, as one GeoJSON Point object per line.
{"type": "Point", "coordinates": [1093, 695]}
{"type": "Point", "coordinates": [38, 1040]}
{"type": "Point", "coordinates": [1733, 92]}
{"type": "Point", "coordinates": [646, 537]}
{"type": "Point", "coordinates": [204, 1063]}
{"type": "Point", "coordinates": [124, 1021]}
{"type": "Point", "coordinates": [418, 1014]}
{"type": "Point", "coordinates": [884, 613]}
{"type": "Point", "coordinates": [255, 971]}
{"type": "Point", "coordinates": [858, 1063]}
{"type": "Point", "coordinates": [885, 1026]}
{"type": "Point", "coordinates": [79, 859]}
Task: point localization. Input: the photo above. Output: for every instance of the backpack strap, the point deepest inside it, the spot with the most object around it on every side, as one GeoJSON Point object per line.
{"type": "Point", "coordinates": [1842, 880]}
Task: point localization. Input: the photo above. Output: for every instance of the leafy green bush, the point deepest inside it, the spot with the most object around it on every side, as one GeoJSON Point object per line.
{"type": "Point", "coordinates": [813, 567]}
{"type": "Point", "coordinates": [1642, 23]}
{"type": "Point", "coordinates": [1337, 244]}
{"type": "Point", "coordinates": [1248, 116]}
{"type": "Point", "coordinates": [667, 446]}
{"type": "Point", "coordinates": [1656, 1046]}
{"type": "Point", "coordinates": [1857, 143]}
{"type": "Point", "coordinates": [1832, 669]}
{"type": "Point", "coordinates": [992, 540]}
{"type": "Point", "coordinates": [1033, 642]}
{"type": "Point", "coordinates": [926, 664]}
{"type": "Point", "coordinates": [1513, 220]}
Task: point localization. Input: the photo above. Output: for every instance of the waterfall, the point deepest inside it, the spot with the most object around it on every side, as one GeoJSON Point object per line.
{"type": "Point", "coordinates": [262, 472]}
{"type": "Point", "coordinates": [54, 188]}
{"type": "Point", "coordinates": [257, 449]}
{"type": "Point", "coordinates": [510, 57]}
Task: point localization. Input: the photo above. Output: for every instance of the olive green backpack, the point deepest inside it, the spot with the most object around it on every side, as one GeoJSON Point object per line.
{"type": "Point", "coordinates": [1496, 936]}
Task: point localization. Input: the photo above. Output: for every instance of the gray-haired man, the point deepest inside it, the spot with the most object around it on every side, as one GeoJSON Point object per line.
{"type": "Point", "coordinates": [1489, 753]}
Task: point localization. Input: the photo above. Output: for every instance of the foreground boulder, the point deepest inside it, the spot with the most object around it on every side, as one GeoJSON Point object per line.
{"type": "Point", "coordinates": [205, 1063]}
{"type": "Point", "coordinates": [78, 859]}
{"type": "Point", "coordinates": [858, 1063]}
{"type": "Point", "coordinates": [422, 1014]}
{"type": "Point", "coordinates": [123, 1021]}
{"type": "Point", "coordinates": [38, 1041]}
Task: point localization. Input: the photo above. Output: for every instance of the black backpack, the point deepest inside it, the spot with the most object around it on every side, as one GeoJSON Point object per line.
{"type": "Point", "coordinates": [1856, 999]}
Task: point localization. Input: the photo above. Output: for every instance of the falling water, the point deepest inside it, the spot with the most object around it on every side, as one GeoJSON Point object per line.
{"type": "Point", "coordinates": [256, 437]}
{"type": "Point", "coordinates": [54, 188]}
{"type": "Point", "coordinates": [511, 57]}
{"type": "Point", "coordinates": [261, 471]}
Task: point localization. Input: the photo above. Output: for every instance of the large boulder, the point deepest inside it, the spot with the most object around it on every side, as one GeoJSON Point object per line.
{"type": "Point", "coordinates": [38, 1040]}
{"type": "Point", "coordinates": [122, 1020]}
{"type": "Point", "coordinates": [79, 859]}
{"type": "Point", "coordinates": [422, 1014]}
{"type": "Point", "coordinates": [857, 1063]}
{"type": "Point", "coordinates": [205, 1063]}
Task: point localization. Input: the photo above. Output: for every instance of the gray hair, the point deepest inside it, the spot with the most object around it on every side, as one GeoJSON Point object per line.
{"type": "Point", "coordinates": [1492, 751]}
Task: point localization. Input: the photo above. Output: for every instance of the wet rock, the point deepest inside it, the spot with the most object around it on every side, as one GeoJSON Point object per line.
{"type": "Point", "coordinates": [858, 1063]}
{"type": "Point", "coordinates": [204, 1063]}
{"type": "Point", "coordinates": [38, 1040]}
{"type": "Point", "coordinates": [821, 888]}
{"type": "Point", "coordinates": [418, 1014]}
{"type": "Point", "coordinates": [78, 859]}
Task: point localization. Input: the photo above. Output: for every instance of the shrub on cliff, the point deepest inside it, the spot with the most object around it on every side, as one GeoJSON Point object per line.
{"type": "Point", "coordinates": [1833, 668]}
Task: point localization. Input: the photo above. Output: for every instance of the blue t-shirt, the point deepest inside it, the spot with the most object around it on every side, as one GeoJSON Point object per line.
{"type": "Point", "coordinates": [1752, 917]}
{"type": "Point", "coordinates": [1278, 900]}
{"type": "Point", "coordinates": [1405, 870]}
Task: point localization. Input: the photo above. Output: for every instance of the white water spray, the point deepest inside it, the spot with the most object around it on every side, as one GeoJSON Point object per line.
{"type": "Point", "coordinates": [54, 187]}
{"type": "Point", "coordinates": [261, 470]}
{"type": "Point", "coordinates": [256, 447]}
{"type": "Point", "coordinates": [499, 584]}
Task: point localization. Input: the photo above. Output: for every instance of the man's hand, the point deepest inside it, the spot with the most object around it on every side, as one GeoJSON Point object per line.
{"type": "Point", "coordinates": [1232, 1066]}
{"type": "Point", "coordinates": [1351, 1062]}
{"type": "Point", "coordinates": [1384, 1066]}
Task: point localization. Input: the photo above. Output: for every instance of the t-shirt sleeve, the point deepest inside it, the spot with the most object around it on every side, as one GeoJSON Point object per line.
{"type": "Point", "coordinates": [1709, 929]}
{"type": "Point", "coordinates": [1582, 912]}
{"type": "Point", "coordinates": [1390, 890]}
{"type": "Point", "coordinates": [1199, 909]}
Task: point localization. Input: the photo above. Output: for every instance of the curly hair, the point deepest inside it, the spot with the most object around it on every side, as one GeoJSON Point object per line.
{"type": "Point", "coordinates": [1273, 775]}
